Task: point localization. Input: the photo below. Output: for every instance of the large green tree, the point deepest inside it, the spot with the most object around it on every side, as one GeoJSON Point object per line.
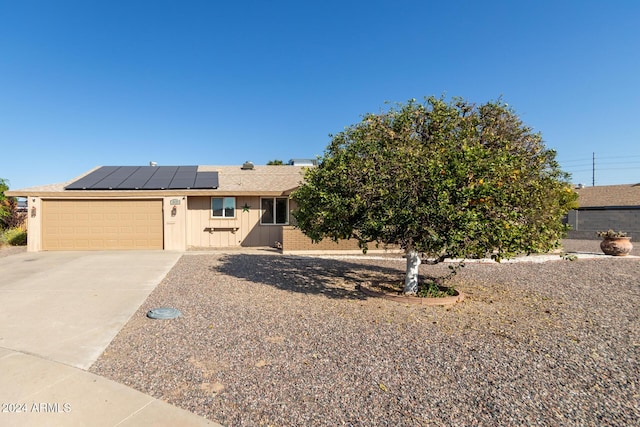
{"type": "Point", "coordinates": [441, 180]}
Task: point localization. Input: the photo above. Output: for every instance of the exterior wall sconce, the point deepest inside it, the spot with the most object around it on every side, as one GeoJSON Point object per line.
{"type": "Point", "coordinates": [33, 211]}
{"type": "Point", "coordinates": [174, 211]}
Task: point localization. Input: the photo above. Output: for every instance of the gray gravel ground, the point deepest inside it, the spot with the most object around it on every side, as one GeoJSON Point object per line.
{"type": "Point", "coordinates": [592, 246]}
{"type": "Point", "coordinates": [288, 341]}
{"type": "Point", "coordinates": [11, 250]}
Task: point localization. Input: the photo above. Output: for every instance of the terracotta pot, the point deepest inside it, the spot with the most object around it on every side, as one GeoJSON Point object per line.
{"type": "Point", "coordinates": [616, 246]}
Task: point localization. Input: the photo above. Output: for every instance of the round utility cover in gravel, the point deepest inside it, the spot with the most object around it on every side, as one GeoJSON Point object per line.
{"type": "Point", "coordinates": [163, 313]}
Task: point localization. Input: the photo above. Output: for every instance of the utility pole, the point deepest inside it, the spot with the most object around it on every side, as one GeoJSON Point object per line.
{"type": "Point", "coordinates": [593, 171]}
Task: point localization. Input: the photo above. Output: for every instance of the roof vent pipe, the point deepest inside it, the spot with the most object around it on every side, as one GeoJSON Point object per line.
{"type": "Point", "coordinates": [247, 165]}
{"type": "Point", "coordinates": [153, 164]}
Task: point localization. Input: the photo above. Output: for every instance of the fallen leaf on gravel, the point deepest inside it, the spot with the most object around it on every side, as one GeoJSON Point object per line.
{"type": "Point", "coordinates": [383, 387]}
{"type": "Point", "coordinates": [261, 363]}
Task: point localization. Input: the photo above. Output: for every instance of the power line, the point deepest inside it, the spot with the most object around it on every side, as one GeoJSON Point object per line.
{"type": "Point", "coordinates": [621, 156]}
{"type": "Point", "coordinates": [588, 160]}
{"type": "Point", "coordinates": [624, 166]}
{"type": "Point", "coordinates": [612, 169]}
{"type": "Point", "coordinates": [610, 163]}
{"type": "Point", "coordinates": [577, 160]}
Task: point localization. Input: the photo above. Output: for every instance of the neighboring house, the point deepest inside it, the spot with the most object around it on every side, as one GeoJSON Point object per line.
{"type": "Point", "coordinates": [601, 208]}
{"type": "Point", "coordinates": [162, 207]}
{"type": "Point", "coordinates": [21, 205]}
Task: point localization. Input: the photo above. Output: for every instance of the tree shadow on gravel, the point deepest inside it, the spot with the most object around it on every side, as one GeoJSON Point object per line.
{"type": "Point", "coordinates": [333, 278]}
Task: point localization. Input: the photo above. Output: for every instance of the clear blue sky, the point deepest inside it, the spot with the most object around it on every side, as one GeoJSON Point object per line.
{"type": "Point", "coordinates": [88, 83]}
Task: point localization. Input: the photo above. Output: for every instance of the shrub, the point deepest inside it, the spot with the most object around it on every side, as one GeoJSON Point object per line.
{"type": "Point", "coordinates": [611, 234]}
{"type": "Point", "coordinates": [15, 237]}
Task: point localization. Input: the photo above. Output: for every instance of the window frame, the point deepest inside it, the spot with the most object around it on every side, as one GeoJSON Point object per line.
{"type": "Point", "coordinates": [223, 216]}
{"type": "Point", "coordinates": [274, 211]}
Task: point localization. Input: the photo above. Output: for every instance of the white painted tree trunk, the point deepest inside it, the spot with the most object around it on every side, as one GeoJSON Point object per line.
{"type": "Point", "coordinates": [411, 278]}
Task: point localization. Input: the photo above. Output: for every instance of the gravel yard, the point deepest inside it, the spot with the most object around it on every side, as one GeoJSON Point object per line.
{"type": "Point", "coordinates": [11, 250]}
{"type": "Point", "coordinates": [289, 341]}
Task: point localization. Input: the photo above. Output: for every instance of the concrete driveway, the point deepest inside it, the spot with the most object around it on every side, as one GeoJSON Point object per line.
{"type": "Point", "coordinates": [58, 312]}
{"type": "Point", "coordinates": [68, 306]}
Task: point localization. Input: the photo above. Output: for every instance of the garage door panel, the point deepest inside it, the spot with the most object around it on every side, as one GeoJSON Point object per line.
{"type": "Point", "coordinates": [102, 224]}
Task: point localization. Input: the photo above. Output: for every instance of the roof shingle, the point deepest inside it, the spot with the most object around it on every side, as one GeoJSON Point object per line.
{"type": "Point", "coordinates": [261, 180]}
{"type": "Point", "coordinates": [609, 195]}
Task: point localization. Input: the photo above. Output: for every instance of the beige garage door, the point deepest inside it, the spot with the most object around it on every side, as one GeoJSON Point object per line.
{"type": "Point", "coordinates": [101, 224]}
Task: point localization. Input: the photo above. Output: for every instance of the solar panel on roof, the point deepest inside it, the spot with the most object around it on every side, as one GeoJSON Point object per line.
{"type": "Point", "coordinates": [114, 179]}
{"type": "Point", "coordinates": [206, 180]}
{"type": "Point", "coordinates": [182, 170]}
{"type": "Point", "coordinates": [138, 179]}
{"type": "Point", "coordinates": [161, 179]}
{"type": "Point", "coordinates": [146, 178]}
{"type": "Point", "coordinates": [185, 177]}
{"type": "Point", "coordinates": [89, 180]}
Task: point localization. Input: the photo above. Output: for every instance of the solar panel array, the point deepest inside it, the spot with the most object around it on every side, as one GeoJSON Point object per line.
{"type": "Point", "coordinates": [146, 178]}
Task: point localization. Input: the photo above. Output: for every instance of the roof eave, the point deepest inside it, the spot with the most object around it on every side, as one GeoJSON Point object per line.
{"type": "Point", "coordinates": [610, 207]}
{"type": "Point", "coordinates": [107, 194]}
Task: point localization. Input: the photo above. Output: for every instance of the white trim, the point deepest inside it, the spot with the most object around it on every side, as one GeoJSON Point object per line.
{"type": "Point", "coordinates": [274, 211]}
{"type": "Point", "coordinates": [235, 209]}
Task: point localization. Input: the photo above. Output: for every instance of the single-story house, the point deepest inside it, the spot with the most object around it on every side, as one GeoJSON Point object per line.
{"type": "Point", "coordinates": [170, 208]}
{"type": "Point", "coordinates": [601, 208]}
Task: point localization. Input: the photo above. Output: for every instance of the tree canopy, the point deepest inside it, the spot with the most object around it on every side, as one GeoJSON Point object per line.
{"type": "Point", "coordinates": [444, 179]}
{"type": "Point", "coordinates": [10, 217]}
{"type": "Point", "coordinates": [6, 203]}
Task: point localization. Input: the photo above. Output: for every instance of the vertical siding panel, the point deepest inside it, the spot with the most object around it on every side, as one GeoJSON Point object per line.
{"type": "Point", "coordinates": [204, 213]}
{"type": "Point", "coordinates": [198, 213]}
{"type": "Point", "coordinates": [255, 222]}
{"type": "Point", "coordinates": [250, 232]}
{"type": "Point", "coordinates": [247, 221]}
{"type": "Point", "coordinates": [194, 221]}
{"type": "Point", "coordinates": [244, 221]}
{"type": "Point", "coordinates": [203, 220]}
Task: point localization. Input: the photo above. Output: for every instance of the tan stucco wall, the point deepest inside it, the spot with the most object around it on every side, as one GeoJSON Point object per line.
{"type": "Point", "coordinates": [34, 224]}
{"type": "Point", "coordinates": [243, 230]}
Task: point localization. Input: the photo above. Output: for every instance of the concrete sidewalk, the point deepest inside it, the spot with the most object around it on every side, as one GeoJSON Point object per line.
{"type": "Point", "coordinates": [58, 312]}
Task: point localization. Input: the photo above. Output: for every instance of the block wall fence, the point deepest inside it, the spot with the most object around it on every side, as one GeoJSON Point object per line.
{"type": "Point", "coordinates": [586, 222]}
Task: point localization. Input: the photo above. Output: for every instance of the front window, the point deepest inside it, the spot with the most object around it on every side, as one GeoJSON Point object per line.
{"type": "Point", "coordinates": [223, 207]}
{"type": "Point", "coordinates": [275, 210]}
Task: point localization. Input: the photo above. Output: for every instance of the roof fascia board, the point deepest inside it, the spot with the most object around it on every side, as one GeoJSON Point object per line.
{"type": "Point", "coordinates": [605, 207]}
{"type": "Point", "coordinates": [110, 194]}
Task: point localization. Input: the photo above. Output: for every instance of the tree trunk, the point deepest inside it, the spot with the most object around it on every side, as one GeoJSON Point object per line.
{"type": "Point", "coordinates": [411, 278]}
